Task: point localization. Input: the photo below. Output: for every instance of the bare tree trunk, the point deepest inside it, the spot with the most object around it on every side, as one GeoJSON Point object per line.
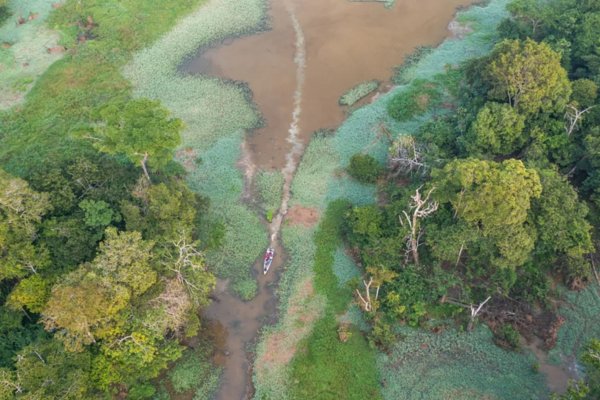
{"type": "Point", "coordinates": [474, 310]}
{"type": "Point", "coordinates": [143, 162]}
{"type": "Point", "coordinates": [573, 116]}
{"type": "Point", "coordinates": [367, 304]}
{"type": "Point", "coordinates": [420, 208]}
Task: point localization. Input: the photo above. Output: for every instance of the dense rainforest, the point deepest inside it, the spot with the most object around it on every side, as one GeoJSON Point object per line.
{"type": "Point", "coordinates": [490, 206]}
{"type": "Point", "coordinates": [483, 215]}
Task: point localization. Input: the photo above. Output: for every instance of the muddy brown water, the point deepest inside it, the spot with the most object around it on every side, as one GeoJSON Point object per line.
{"type": "Point", "coordinates": [346, 43]}
{"type": "Point", "coordinates": [342, 44]}
{"type": "Point", "coordinates": [557, 376]}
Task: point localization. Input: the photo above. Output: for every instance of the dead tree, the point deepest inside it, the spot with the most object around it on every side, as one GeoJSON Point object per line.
{"type": "Point", "coordinates": [475, 310]}
{"type": "Point", "coordinates": [187, 264]}
{"type": "Point", "coordinates": [377, 277]}
{"type": "Point", "coordinates": [573, 116]}
{"type": "Point", "coordinates": [366, 300]}
{"type": "Point", "coordinates": [419, 208]}
{"type": "Point", "coordinates": [406, 156]}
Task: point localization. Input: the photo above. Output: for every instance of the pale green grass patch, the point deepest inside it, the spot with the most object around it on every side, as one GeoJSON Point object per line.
{"type": "Point", "coordinates": [24, 54]}
{"type": "Point", "coordinates": [216, 114]}
{"type": "Point", "coordinates": [344, 267]}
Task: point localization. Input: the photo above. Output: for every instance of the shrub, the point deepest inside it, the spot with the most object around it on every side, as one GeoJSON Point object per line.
{"type": "Point", "coordinates": [382, 336]}
{"type": "Point", "coordinates": [195, 372]}
{"type": "Point", "coordinates": [508, 337]}
{"type": "Point", "coordinates": [364, 168]}
{"type": "Point", "coordinates": [420, 97]}
{"type": "Point", "coordinates": [246, 289]}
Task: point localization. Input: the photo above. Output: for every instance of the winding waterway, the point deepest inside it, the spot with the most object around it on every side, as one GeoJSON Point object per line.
{"type": "Point", "coordinates": [314, 52]}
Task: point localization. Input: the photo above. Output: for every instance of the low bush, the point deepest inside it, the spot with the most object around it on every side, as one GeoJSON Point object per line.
{"type": "Point", "coordinates": [364, 168]}
{"type": "Point", "coordinates": [195, 372]}
{"type": "Point", "coordinates": [420, 97]}
{"type": "Point", "coordinates": [508, 337]}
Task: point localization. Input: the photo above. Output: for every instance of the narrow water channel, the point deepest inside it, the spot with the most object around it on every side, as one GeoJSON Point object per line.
{"type": "Point", "coordinates": [314, 52]}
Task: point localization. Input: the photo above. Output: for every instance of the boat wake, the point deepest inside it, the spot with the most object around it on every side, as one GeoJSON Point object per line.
{"type": "Point", "coordinates": [293, 156]}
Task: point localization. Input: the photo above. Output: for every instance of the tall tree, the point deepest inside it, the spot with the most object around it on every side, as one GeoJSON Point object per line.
{"type": "Point", "coordinates": [21, 211]}
{"type": "Point", "coordinates": [528, 75]}
{"type": "Point", "coordinates": [497, 130]}
{"type": "Point", "coordinates": [493, 198]}
{"type": "Point", "coordinates": [141, 129]}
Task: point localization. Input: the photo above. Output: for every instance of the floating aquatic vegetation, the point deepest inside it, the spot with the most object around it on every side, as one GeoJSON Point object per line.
{"type": "Point", "coordinates": [457, 365]}
{"type": "Point", "coordinates": [269, 185]}
{"type": "Point", "coordinates": [582, 323]}
{"type": "Point", "coordinates": [358, 92]}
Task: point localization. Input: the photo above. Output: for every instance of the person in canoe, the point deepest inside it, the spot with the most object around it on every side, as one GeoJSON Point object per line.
{"type": "Point", "coordinates": [268, 259]}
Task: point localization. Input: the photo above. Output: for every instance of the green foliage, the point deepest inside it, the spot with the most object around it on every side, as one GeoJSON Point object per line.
{"type": "Point", "coordinates": [195, 372]}
{"type": "Point", "coordinates": [46, 370]}
{"type": "Point", "coordinates": [358, 92]}
{"type": "Point", "coordinates": [140, 129]}
{"type": "Point", "coordinates": [561, 223]}
{"type": "Point", "coordinates": [97, 213]}
{"type": "Point", "coordinates": [576, 390]}
{"type": "Point", "coordinates": [532, 284]}
{"type": "Point", "coordinates": [528, 75]}
{"type": "Point", "coordinates": [507, 336]}
{"type": "Point", "coordinates": [591, 361]}
{"type": "Point", "coordinates": [21, 210]}
{"type": "Point", "coordinates": [456, 365]}
{"type": "Point", "coordinates": [364, 168]}
{"type": "Point", "coordinates": [585, 92]}
{"type": "Point", "coordinates": [31, 293]}
{"type": "Point", "coordinates": [270, 186]}
{"type": "Point", "coordinates": [325, 365]}
{"type": "Point", "coordinates": [496, 197]}
{"type": "Point", "coordinates": [497, 130]}
{"type": "Point", "coordinates": [420, 97]}
{"type": "Point", "coordinates": [163, 211]}
{"type": "Point", "coordinates": [16, 332]}
{"type": "Point", "coordinates": [382, 335]}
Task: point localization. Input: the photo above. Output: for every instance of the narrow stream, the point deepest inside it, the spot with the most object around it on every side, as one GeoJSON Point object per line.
{"type": "Point", "coordinates": [314, 52]}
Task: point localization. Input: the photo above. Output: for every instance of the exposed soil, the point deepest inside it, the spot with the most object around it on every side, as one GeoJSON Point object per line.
{"type": "Point", "coordinates": [298, 215]}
